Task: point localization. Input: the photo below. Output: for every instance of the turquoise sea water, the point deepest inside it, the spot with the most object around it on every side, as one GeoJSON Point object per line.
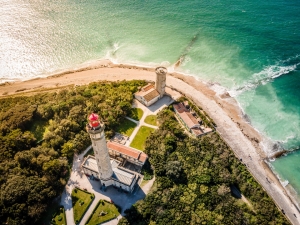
{"type": "Point", "coordinates": [252, 48]}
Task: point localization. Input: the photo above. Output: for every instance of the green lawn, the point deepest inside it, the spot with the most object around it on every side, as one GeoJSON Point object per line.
{"type": "Point", "coordinates": [108, 210]}
{"type": "Point", "coordinates": [80, 201]}
{"type": "Point", "coordinates": [60, 218]}
{"type": "Point", "coordinates": [151, 119]}
{"type": "Point", "coordinates": [126, 127]}
{"type": "Point", "coordinates": [136, 113]}
{"type": "Point", "coordinates": [139, 140]}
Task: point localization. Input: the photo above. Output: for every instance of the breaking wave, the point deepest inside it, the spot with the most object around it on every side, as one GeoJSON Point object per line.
{"type": "Point", "coordinates": [268, 74]}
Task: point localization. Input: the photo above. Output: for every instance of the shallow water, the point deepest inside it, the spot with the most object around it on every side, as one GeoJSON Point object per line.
{"type": "Point", "coordinates": [291, 160]}
{"type": "Point", "coordinates": [250, 47]}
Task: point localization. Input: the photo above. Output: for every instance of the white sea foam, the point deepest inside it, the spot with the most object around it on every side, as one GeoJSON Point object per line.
{"type": "Point", "coordinates": [284, 183]}
{"type": "Point", "coordinates": [267, 75]}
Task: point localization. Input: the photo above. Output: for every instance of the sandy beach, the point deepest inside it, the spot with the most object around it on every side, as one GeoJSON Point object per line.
{"type": "Point", "coordinates": [223, 109]}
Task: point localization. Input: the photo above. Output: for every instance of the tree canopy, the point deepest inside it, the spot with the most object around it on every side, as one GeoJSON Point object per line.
{"type": "Point", "coordinates": [33, 172]}
{"type": "Point", "coordinates": [194, 182]}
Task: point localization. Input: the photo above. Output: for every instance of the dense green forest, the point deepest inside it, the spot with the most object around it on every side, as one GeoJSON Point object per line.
{"type": "Point", "coordinates": [198, 181]}
{"type": "Point", "coordinates": [40, 133]}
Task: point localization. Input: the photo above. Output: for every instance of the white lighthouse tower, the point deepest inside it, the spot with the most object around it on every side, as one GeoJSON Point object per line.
{"type": "Point", "coordinates": [160, 83]}
{"type": "Point", "coordinates": [96, 131]}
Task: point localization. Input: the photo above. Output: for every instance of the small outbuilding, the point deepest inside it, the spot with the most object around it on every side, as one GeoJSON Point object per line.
{"type": "Point", "coordinates": [147, 95]}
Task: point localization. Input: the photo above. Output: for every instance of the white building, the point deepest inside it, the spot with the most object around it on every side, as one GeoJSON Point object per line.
{"type": "Point", "coordinates": [149, 94]}
{"type": "Point", "coordinates": [101, 166]}
{"type": "Point", "coordinates": [120, 178]}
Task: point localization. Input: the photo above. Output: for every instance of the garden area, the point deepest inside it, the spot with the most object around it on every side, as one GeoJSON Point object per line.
{"type": "Point", "coordinates": [81, 201]}
{"type": "Point", "coordinates": [140, 138]}
{"type": "Point", "coordinates": [104, 211]}
{"type": "Point", "coordinates": [136, 113]}
{"type": "Point", "coordinates": [59, 217]}
{"type": "Point", "coordinates": [126, 127]}
{"type": "Point", "coordinates": [151, 119]}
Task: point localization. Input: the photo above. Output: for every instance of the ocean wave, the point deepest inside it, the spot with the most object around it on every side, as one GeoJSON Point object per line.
{"type": "Point", "coordinates": [267, 75]}
{"type": "Point", "coordinates": [284, 183]}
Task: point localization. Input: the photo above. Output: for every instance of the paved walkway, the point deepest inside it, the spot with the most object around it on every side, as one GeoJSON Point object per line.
{"type": "Point", "coordinates": [151, 110]}
{"type": "Point", "coordinates": [78, 179]}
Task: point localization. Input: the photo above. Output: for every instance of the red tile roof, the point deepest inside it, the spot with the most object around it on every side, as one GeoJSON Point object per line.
{"type": "Point", "coordinates": [151, 95]}
{"type": "Point", "coordinates": [147, 87]}
{"type": "Point", "coordinates": [141, 156]}
{"type": "Point", "coordinates": [180, 107]}
{"type": "Point", "coordinates": [189, 119]}
{"type": "Point", "coordinates": [148, 92]}
{"type": "Point", "coordinates": [185, 115]}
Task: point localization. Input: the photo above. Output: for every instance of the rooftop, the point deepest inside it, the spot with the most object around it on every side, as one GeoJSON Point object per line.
{"type": "Point", "coordinates": [180, 107]}
{"type": "Point", "coordinates": [90, 163]}
{"type": "Point", "coordinates": [148, 87]}
{"type": "Point", "coordinates": [123, 176]}
{"type": "Point", "coordinates": [119, 174]}
{"type": "Point", "coordinates": [148, 92]}
{"type": "Point", "coordinates": [185, 115]}
{"type": "Point", "coordinates": [139, 155]}
{"type": "Point", "coordinates": [151, 95]}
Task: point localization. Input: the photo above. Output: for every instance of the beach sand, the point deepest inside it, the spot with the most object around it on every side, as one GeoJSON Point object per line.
{"type": "Point", "coordinates": [223, 109]}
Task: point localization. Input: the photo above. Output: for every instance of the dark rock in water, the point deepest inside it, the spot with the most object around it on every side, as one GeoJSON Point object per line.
{"type": "Point", "coordinates": [246, 118]}
{"type": "Point", "coordinates": [225, 95]}
{"type": "Point", "coordinates": [276, 147]}
{"type": "Point", "coordinates": [278, 154]}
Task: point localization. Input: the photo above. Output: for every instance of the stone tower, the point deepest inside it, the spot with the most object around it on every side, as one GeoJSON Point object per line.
{"type": "Point", "coordinates": [160, 83]}
{"type": "Point", "coordinates": [96, 131]}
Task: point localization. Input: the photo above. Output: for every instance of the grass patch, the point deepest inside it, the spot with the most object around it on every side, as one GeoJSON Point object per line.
{"type": "Point", "coordinates": [104, 211]}
{"type": "Point", "coordinates": [136, 113]}
{"type": "Point", "coordinates": [151, 119]}
{"type": "Point", "coordinates": [60, 218]}
{"type": "Point", "coordinates": [81, 201]}
{"type": "Point", "coordinates": [126, 127]}
{"type": "Point", "coordinates": [140, 138]}
{"type": "Point", "coordinates": [38, 129]}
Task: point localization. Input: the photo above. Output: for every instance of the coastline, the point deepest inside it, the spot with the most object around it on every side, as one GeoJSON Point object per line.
{"type": "Point", "coordinates": [223, 109]}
